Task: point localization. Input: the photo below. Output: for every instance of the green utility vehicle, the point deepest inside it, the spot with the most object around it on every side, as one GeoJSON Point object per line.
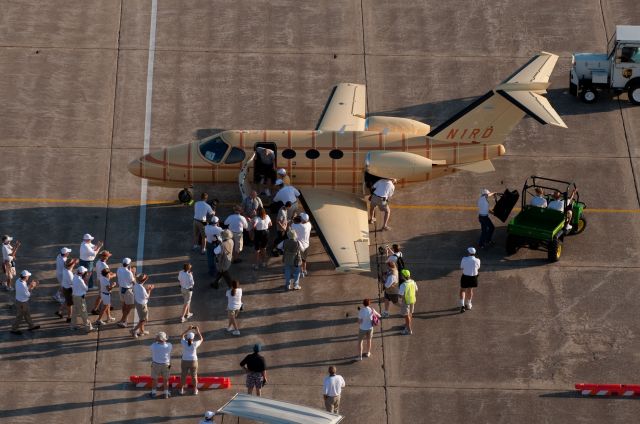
{"type": "Point", "coordinates": [546, 227]}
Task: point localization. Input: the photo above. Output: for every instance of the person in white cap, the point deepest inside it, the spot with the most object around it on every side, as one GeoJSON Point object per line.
{"type": "Point", "coordinates": [201, 212]}
{"type": "Point", "coordinates": [286, 194]}
{"type": "Point", "coordinates": [67, 287]}
{"type": "Point", "coordinates": [302, 227]}
{"type": "Point", "coordinates": [407, 297]}
{"type": "Point", "coordinates": [382, 190]}
{"type": "Point", "coordinates": [125, 276]}
{"type": "Point", "coordinates": [486, 226]}
{"type": "Point", "coordinates": [88, 252]}
{"type": "Point", "coordinates": [208, 418]}
{"type": "Point", "coordinates": [282, 174]}
{"type": "Point", "coordinates": [79, 291]}
{"type": "Point", "coordinates": [185, 277]}
{"type": "Point", "coordinates": [160, 363]}
{"type": "Point", "coordinates": [9, 252]}
{"type": "Point", "coordinates": [470, 266]}
{"type": "Point", "coordinates": [23, 294]}
{"type": "Point", "coordinates": [141, 295]}
{"type": "Point", "coordinates": [101, 265]}
{"type": "Point", "coordinates": [212, 234]}
{"type": "Point", "coordinates": [189, 363]}
{"type": "Point", "coordinates": [106, 286]}
{"type": "Point", "coordinates": [237, 224]}
{"type": "Point", "coordinates": [61, 259]}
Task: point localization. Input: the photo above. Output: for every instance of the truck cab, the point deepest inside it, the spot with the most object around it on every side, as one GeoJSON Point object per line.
{"type": "Point", "coordinates": [619, 70]}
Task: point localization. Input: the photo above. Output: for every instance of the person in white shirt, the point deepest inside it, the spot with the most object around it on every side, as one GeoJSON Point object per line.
{"type": "Point", "coordinates": [382, 191]}
{"type": "Point", "coordinates": [141, 295]}
{"type": "Point", "coordinates": [23, 294]}
{"type": "Point", "coordinates": [391, 284]}
{"type": "Point", "coordinates": [332, 389]}
{"type": "Point", "coordinates": [160, 363]}
{"type": "Point", "coordinates": [60, 261]}
{"type": "Point", "coordinates": [88, 252]}
{"type": "Point", "coordinates": [9, 252]}
{"type": "Point", "coordinates": [470, 266]}
{"type": "Point", "coordinates": [282, 225]}
{"type": "Point", "coordinates": [106, 285]}
{"type": "Point", "coordinates": [250, 205]}
{"type": "Point", "coordinates": [185, 277]}
{"type": "Point", "coordinates": [486, 226]}
{"type": "Point", "coordinates": [189, 363]}
{"type": "Point", "coordinates": [302, 227]}
{"type": "Point", "coordinates": [213, 235]}
{"type": "Point", "coordinates": [558, 204]}
{"type": "Point", "coordinates": [366, 327]}
{"type": "Point", "coordinates": [539, 200]}
{"type": "Point", "coordinates": [234, 303]}
{"type": "Point", "coordinates": [67, 287]}
{"type": "Point", "coordinates": [201, 211]}
{"type": "Point", "coordinates": [101, 265]}
{"type": "Point", "coordinates": [237, 224]}
{"type": "Point", "coordinates": [287, 193]}
{"type": "Point", "coordinates": [79, 291]}
{"type": "Point", "coordinates": [261, 224]}
{"type": "Point", "coordinates": [125, 276]}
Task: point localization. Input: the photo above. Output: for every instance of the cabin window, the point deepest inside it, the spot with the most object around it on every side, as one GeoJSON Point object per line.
{"type": "Point", "coordinates": [336, 154]}
{"type": "Point", "coordinates": [312, 154]}
{"type": "Point", "coordinates": [213, 150]}
{"type": "Point", "coordinates": [288, 153]}
{"type": "Point", "coordinates": [235, 155]}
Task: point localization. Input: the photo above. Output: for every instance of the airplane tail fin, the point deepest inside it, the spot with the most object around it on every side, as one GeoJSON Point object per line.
{"type": "Point", "coordinates": [491, 118]}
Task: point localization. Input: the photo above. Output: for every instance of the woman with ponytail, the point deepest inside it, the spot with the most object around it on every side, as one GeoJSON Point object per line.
{"type": "Point", "coordinates": [189, 363]}
{"type": "Point", "coordinates": [234, 303]}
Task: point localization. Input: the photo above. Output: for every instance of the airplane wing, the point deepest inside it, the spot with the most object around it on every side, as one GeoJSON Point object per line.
{"type": "Point", "coordinates": [341, 222]}
{"type": "Point", "coordinates": [345, 110]}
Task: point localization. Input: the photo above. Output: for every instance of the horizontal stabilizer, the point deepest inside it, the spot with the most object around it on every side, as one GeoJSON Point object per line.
{"type": "Point", "coordinates": [534, 105]}
{"type": "Point", "coordinates": [537, 70]}
{"type": "Point", "coordinates": [481, 167]}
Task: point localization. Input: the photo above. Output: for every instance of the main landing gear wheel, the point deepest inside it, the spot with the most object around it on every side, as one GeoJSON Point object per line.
{"type": "Point", "coordinates": [588, 95]}
{"type": "Point", "coordinates": [185, 197]}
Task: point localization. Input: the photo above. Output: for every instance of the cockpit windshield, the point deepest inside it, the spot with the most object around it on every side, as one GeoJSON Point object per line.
{"type": "Point", "coordinates": [213, 150]}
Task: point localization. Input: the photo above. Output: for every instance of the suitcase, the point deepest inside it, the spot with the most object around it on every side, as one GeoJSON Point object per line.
{"type": "Point", "coordinates": [505, 204]}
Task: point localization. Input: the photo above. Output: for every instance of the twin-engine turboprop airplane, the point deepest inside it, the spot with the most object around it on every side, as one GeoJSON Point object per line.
{"type": "Point", "coordinates": [333, 164]}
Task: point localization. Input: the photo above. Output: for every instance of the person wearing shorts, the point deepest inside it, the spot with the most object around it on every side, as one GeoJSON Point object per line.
{"type": "Point", "coordinates": [189, 363]}
{"type": "Point", "coordinates": [106, 285]}
{"type": "Point", "coordinates": [407, 296]}
{"type": "Point", "coordinates": [160, 363]}
{"type": "Point", "coordinates": [390, 288]}
{"type": "Point", "coordinates": [261, 224]}
{"type": "Point", "coordinates": [125, 282]}
{"type": "Point", "coordinates": [365, 332]}
{"type": "Point", "coordinates": [234, 303]}
{"type": "Point", "coordinates": [185, 277]}
{"type": "Point", "coordinates": [470, 266]}
{"type": "Point", "coordinates": [67, 287]}
{"type": "Point", "coordinates": [9, 252]}
{"type": "Point", "coordinates": [141, 295]}
{"type": "Point", "coordinates": [256, 368]}
{"type": "Point", "coordinates": [382, 189]}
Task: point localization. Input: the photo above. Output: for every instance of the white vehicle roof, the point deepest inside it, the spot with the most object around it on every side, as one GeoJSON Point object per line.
{"type": "Point", "coordinates": [271, 411]}
{"type": "Point", "coordinates": [627, 33]}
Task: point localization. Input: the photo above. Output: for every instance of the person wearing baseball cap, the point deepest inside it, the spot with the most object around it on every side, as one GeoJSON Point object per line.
{"type": "Point", "coordinates": [79, 293]}
{"type": "Point", "coordinates": [141, 294]}
{"type": "Point", "coordinates": [9, 252]}
{"type": "Point", "coordinates": [87, 253]}
{"type": "Point", "coordinates": [212, 234]}
{"type": "Point", "coordinates": [256, 367]}
{"type": "Point", "coordinates": [208, 418]}
{"type": "Point", "coordinates": [160, 363]}
{"type": "Point", "coordinates": [126, 278]}
{"type": "Point", "coordinates": [486, 226]}
{"type": "Point", "coordinates": [101, 265]}
{"type": "Point", "coordinates": [407, 297]}
{"type": "Point", "coordinates": [470, 266]}
{"type": "Point", "coordinates": [61, 259]}
{"type": "Point", "coordinates": [23, 294]}
{"type": "Point", "coordinates": [302, 227]}
{"type": "Point", "coordinates": [190, 340]}
{"type": "Point", "coordinates": [282, 175]}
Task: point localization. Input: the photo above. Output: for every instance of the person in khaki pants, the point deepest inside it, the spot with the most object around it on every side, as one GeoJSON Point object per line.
{"type": "Point", "coordinates": [23, 294]}
{"type": "Point", "coordinates": [79, 292]}
{"type": "Point", "coordinates": [332, 388]}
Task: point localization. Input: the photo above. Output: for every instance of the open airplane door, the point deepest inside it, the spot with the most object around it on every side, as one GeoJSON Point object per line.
{"type": "Point", "coordinates": [271, 411]}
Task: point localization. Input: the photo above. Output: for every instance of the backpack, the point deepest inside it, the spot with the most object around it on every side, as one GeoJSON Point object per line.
{"type": "Point", "coordinates": [399, 262]}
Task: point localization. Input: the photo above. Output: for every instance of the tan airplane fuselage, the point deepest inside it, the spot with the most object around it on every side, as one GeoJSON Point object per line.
{"type": "Point", "coordinates": [322, 159]}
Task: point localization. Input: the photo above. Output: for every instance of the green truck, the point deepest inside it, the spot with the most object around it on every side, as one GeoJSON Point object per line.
{"type": "Point", "coordinates": [545, 227]}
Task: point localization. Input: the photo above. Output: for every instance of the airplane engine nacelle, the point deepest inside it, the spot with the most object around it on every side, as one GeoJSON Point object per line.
{"type": "Point", "coordinates": [398, 165]}
{"type": "Point", "coordinates": [394, 124]}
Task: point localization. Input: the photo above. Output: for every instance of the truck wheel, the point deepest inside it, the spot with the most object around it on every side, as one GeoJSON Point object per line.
{"type": "Point", "coordinates": [588, 95]}
{"type": "Point", "coordinates": [634, 94]}
{"type": "Point", "coordinates": [580, 226]}
{"type": "Point", "coordinates": [512, 244]}
{"type": "Point", "coordinates": [555, 250]}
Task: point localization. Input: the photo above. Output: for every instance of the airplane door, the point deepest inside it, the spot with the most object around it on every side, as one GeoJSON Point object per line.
{"type": "Point", "coordinates": [265, 170]}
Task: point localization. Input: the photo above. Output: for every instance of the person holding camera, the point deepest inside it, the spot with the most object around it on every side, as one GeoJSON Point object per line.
{"type": "Point", "coordinates": [125, 278]}
{"type": "Point", "coordinates": [160, 363]}
{"type": "Point", "coordinates": [256, 368]}
{"type": "Point", "coordinates": [141, 296]}
{"type": "Point", "coordinates": [88, 252]}
{"type": "Point", "coordinates": [212, 234]}
{"type": "Point", "coordinates": [23, 294]}
{"type": "Point", "coordinates": [79, 292]}
{"type": "Point", "coordinates": [186, 288]}
{"type": "Point", "coordinates": [189, 363]}
{"type": "Point", "coordinates": [106, 285]}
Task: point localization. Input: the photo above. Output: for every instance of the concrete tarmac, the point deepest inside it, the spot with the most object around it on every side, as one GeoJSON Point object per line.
{"type": "Point", "coordinates": [73, 78]}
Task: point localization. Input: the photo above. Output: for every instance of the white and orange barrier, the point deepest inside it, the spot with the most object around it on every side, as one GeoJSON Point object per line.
{"type": "Point", "coordinates": [174, 381]}
{"type": "Point", "coordinates": [589, 389]}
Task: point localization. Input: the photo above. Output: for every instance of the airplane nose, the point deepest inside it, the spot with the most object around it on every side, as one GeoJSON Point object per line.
{"type": "Point", "coordinates": [135, 167]}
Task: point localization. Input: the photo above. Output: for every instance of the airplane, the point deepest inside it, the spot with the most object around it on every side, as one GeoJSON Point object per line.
{"type": "Point", "coordinates": [333, 165]}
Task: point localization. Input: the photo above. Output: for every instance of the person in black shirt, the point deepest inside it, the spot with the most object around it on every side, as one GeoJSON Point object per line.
{"type": "Point", "coordinates": [256, 368]}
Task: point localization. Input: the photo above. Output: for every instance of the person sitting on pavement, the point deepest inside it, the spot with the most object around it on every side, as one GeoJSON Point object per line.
{"type": "Point", "coordinates": [539, 200]}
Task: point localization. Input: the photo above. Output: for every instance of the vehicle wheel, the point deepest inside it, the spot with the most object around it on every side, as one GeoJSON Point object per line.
{"type": "Point", "coordinates": [512, 244]}
{"type": "Point", "coordinates": [588, 95]}
{"type": "Point", "coordinates": [578, 228]}
{"type": "Point", "coordinates": [634, 94]}
{"type": "Point", "coordinates": [185, 196]}
{"type": "Point", "coordinates": [555, 250]}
